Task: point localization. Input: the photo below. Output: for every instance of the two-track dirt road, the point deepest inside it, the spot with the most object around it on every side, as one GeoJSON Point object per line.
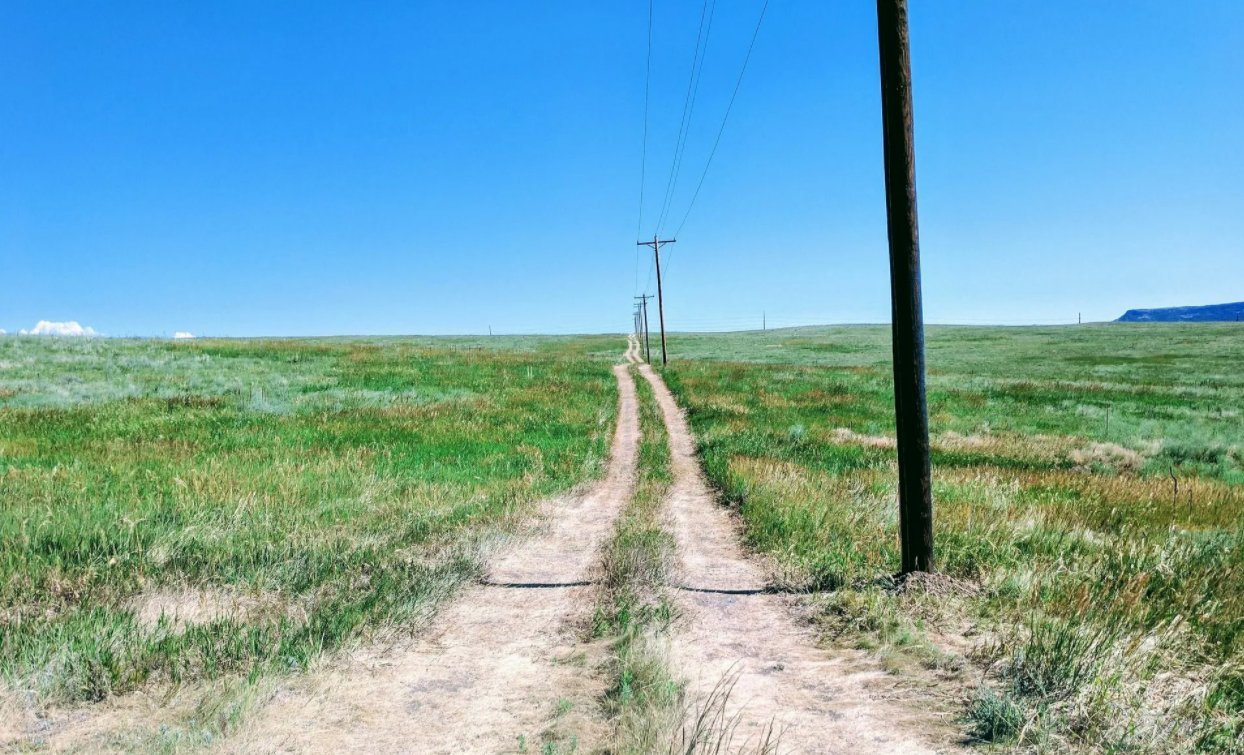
{"type": "Point", "coordinates": [494, 664]}
{"type": "Point", "coordinates": [731, 627]}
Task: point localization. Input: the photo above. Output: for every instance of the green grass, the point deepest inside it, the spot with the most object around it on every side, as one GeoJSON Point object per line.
{"type": "Point", "coordinates": [1105, 608]}
{"type": "Point", "coordinates": [302, 494]}
{"type": "Point", "coordinates": [633, 611]}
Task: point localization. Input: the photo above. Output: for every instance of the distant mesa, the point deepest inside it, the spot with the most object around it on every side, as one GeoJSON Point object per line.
{"type": "Point", "coordinates": [1205, 313]}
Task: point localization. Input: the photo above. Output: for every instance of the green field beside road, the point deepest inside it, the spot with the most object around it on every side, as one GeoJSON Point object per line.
{"type": "Point", "coordinates": [1089, 486]}
{"type": "Point", "coordinates": [178, 511]}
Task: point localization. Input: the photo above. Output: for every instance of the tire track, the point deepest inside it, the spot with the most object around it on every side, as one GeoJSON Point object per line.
{"type": "Point", "coordinates": [494, 664]}
{"type": "Point", "coordinates": [729, 628]}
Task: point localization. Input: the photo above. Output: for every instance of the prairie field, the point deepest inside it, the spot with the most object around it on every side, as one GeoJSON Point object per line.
{"type": "Point", "coordinates": [1089, 515]}
{"type": "Point", "coordinates": [175, 512]}
{"type": "Point", "coordinates": [220, 514]}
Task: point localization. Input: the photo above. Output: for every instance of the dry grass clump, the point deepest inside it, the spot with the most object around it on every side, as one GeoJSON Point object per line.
{"type": "Point", "coordinates": [1108, 455]}
{"type": "Point", "coordinates": [708, 728]}
{"type": "Point", "coordinates": [848, 436]}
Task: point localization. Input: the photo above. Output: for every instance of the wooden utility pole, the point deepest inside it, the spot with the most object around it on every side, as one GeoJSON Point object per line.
{"type": "Point", "coordinates": [656, 245]}
{"type": "Point", "coordinates": [643, 298]}
{"type": "Point", "coordinates": [915, 490]}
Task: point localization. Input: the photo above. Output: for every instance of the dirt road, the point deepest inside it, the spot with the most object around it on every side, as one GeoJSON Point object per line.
{"type": "Point", "coordinates": [729, 627]}
{"type": "Point", "coordinates": [496, 667]}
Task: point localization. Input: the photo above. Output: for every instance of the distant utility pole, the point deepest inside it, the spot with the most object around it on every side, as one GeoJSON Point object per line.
{"type": "Point", "coordinates": [656, 245]}
{"type": "Point", "coordinates": [643, 298]}
{"type": "Point", "coordinates": [1079, 318]}
{"type": "Point", "coordinates": [915, 489]}
{"type": "Point", "coordinates": [764, 321]}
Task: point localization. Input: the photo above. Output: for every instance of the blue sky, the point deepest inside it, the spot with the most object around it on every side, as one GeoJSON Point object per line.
{"type": "Point", "coordinates": [442, 167]}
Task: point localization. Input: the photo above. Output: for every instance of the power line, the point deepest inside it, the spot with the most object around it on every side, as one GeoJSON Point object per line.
{"type": "Point", "coordinates": [688, 104]}
{"type": "Point", "coordinates": [721, 130]}
{"type": "Point", "coordinates": [643, 160]}
{"type": "Point", "coordinates": [724, 118]}
{"type": "Point", "coordinates": [695, 95]}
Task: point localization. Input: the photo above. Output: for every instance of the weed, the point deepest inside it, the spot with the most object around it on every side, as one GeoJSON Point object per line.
{"type": "Point", "coordinates": [995, 717]}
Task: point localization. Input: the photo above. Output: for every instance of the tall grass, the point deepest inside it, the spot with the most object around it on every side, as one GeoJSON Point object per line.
{"type": "Point", "coordinates": [309, 494]}
{"type": "Point", "coordinates": [1098, 571]}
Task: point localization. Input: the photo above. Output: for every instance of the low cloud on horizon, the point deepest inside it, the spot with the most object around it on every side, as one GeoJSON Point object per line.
{"type": "Point", "coordinates": [183, 334]}
{"type": "Point", "coordinates": [68, 328]}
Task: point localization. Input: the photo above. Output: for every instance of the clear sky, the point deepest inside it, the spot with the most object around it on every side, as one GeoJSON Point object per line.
{"type": "Point", "coordinates": [242, 168]}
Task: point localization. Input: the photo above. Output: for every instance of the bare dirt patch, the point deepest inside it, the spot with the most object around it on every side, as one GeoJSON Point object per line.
{"type": "Point", "coordinates": [180, 608]}
{"type": "Point", "coordinates": [731, 628]}
{"type": "Point", "coordinates": [847, 436]}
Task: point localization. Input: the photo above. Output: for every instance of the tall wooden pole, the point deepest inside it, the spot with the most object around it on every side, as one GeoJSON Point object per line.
{"type": "Point", "coordinates": [656, 249]}
{"type": "Point", "coordinates": [915, 489]}
{"type": "Point", "coordinates": [643, 299]}
{"type": "Point", "coordinates": [647, 343]}
{"type": "Point", "coordinates": [656, 244]}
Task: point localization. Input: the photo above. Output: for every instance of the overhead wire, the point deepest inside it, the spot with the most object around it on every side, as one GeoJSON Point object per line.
{"type": "Point", "coordinates": [707, 13]}
{"type": "Point", "coordinates": [643, 161]}
{"type": "Point", "coordinates": [716, 142]}
{"type": "Point", "coordinates": [721, 129]}
{"type": "Point", "coordinates": [688, 105]}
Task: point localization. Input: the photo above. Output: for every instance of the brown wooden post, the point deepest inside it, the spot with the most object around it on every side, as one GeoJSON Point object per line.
{"type": "Point", "coordinates": [656, 245]}
{"type": "Point", "coordinates": [643, 298]}
{"type": "Point", "coordinates": [915, 489]}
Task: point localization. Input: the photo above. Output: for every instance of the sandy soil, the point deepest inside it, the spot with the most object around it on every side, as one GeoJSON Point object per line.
{"type": "Point", "coordinates": [816, 700]}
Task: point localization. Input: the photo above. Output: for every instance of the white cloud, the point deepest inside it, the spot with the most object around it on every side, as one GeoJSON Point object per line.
{"type": "Point", "coordinates": [48, 328]}
{"type": "Point", "coordinates": [183, 334]}
{"type": "Point", "coordinates": [3, 331]}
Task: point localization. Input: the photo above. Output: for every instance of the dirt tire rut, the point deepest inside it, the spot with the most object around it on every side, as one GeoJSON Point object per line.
{"type": "Point", "coordinates": [493, 664]}
{"type": "Point", "coordinates": [729, 628]}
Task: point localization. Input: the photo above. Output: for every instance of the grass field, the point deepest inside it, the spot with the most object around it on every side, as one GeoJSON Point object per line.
{"type": "Point", "coordinates": [1089, 486]}
{"type": "Point", "coordinates": [181, 511]}
{"type": "Point", "coordinates": [186, 512]}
